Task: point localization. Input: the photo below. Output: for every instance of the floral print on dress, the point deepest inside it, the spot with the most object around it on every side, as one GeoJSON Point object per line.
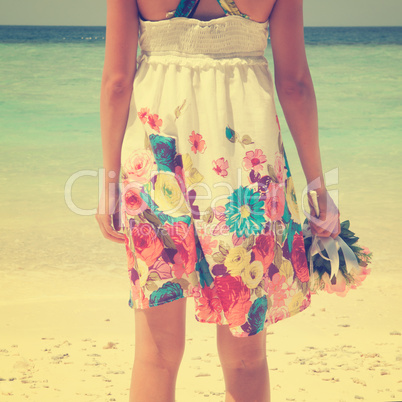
{"type": "Point", "coordinates": [197, 143]}
{"type": "Point", "coordinates": [220, 167]}
{"type": "Point", "coordinates": [242, 257]}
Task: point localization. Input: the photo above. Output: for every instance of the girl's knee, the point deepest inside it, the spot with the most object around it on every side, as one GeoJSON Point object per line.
{"type": "Point", "coordinates": [242, 353]}
{"type": "Point", "coordinates": [244, 362]}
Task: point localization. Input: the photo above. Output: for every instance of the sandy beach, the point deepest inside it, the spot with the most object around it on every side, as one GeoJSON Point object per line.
{"type": "Point", "coordinates": [76, 346]}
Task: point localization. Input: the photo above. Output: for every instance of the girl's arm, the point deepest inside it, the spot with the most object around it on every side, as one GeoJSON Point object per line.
{"type": "Point", "coordinates": [116, 91]}
{"type": "Point", "coordinates": [297, 97]}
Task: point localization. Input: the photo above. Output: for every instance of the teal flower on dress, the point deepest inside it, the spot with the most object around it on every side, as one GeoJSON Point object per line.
{"type": "Point", "coordinates": [245, 212]}
{"type": "Point", "coordinates": [203, 269]}
{"type": "Point", "coordinates": [230, 134]}
{"type": "Point", "coordinates": [286, 164]}
{"type": "Point", "coordinates": [164, 150]}
{"type": "Point", "coordinates": [170, 291]}
{"type": "Point", "coordinates": [256, 316]}
{"type": "Point", "coordinates": [291, 228]}
{"type": "Point", "coordinates": [286, 217]}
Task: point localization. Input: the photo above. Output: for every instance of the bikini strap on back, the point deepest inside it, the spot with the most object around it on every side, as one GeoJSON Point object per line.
{"type": "Point", "coordinates": [229, 7]}
{"type": "Point", "coordinates": [186, 8]}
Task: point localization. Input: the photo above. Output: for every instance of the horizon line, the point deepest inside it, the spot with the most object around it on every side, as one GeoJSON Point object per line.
{"type": "Point", "coordinates": [104, 26]}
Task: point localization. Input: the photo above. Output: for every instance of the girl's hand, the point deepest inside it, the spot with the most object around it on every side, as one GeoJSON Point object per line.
{"type": "Point", "coordinates": [109, 223]}
{"type": "Point", "coordinates": [327, 223]}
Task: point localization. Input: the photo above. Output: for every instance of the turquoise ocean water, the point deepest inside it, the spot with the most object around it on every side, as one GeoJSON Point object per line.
{"type": "Point", "coordinates": [49, 129]}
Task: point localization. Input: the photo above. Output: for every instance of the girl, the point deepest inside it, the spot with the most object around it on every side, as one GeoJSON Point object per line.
{"type": "Point", "coordinates": [208, 205]}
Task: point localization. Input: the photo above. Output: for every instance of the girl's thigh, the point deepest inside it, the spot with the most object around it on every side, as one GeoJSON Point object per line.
{"type": "Point", "coordinates": [161, 330]}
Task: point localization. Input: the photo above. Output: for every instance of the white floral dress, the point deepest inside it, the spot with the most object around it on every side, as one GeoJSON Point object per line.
{"type": "Point", "coordinates": [208, 201]}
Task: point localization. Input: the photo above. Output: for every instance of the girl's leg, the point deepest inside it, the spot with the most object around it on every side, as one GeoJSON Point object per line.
{"type": "Point", "coordinates": [244, 364]}
{"type": "Point", "coordinates": [159, 348]}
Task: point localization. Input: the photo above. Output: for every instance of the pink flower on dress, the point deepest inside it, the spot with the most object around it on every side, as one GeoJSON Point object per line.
{"type": "Point", "coordinates": [198, 144]}
{"type": "Point", "coordinates": [220, 166]}
{"type": "Point", "coordinates": [275, 286]}
{"type": "Point", "coordinates": [275, 201]}
{"type": "Point", "coordinates": [279, 167]}
{"type": "Point", "coordinates": [220, 228]}
{"type": "Point", "coordinates": [155, 122]}
{"type": "Point", "coordinates": [277, 314]}
{"type": "Point", "coordinates": [143, 114]}
{"type": "Point", "coordinates": [254, 160]}
{"type": "Point", "coordinates": [207, 244]}
{"type": "Point", "coordinates": [139, 166]}
{"type": "Point", "coordinates": [194, 291]}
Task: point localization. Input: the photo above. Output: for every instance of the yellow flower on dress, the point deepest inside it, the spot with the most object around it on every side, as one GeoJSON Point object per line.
{"type": "Point", "coordinates": [286, 269]}
{"type": "Point", "coordinates": [291, 200]}
{"type": "Point", "coordinates": [142, 270]}
{"type": "Point", "coordinates": [252, 274]}
{"type": "Point", "coordinates": [192, 175]}
{"type": "Point", "coordinates": [168, 195]}
{"type": "Point", "coordinates": [295, 304]}
{"type": "Point", "coordinates": [237, 260]}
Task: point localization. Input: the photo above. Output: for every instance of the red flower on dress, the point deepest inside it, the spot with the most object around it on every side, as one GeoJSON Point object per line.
{"type": "Point", "coordinates": [155, 122]}
{"type": "Point", "coordinates": [219, 167]}
{"type": "Point", "coordinates": [143, 114]}
{"type": "Point", "coordinates": [275, 201]}
{"type": "Point", "coordinates": [147, 244]}
{"type": "Point", "coordinates": [235, 298]}
{"type": "Point", "coordinates": [184, 240]}
{"type": "Point", "coordinates": [198, 144]}
{"type": "Point", "coordinates": [254, 160]}
{"type": "Point", "coordinates": [208, 306]}
{"type": "Point", "coordinates": [264, 249]}
{"type": "Point", "coordinates": [134, 204]}
{"type": "Point", "coordinates": [298, 258]}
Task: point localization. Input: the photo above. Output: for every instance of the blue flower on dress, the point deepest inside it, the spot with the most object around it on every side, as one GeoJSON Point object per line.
{"type": "Point", "coordinates": [164, 150]}
{"type": "Point", "coordinates": [170, 291]}
{"type": "Point", "coordinates": [256, 315]}
{"type": "Point", "coordinates": [202, 267]}
{"type": "Point", "coordinates": [245, 212]}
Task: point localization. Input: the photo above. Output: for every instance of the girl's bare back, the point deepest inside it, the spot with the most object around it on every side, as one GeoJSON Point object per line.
{"type": "Point", "coordinates": [257, 10]}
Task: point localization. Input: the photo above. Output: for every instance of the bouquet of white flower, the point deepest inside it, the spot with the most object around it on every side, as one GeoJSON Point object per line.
{"type": "Point", "coordinates": [336, 265]}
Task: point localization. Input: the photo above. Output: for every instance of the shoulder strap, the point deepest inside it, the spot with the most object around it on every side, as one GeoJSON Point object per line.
{"type": "Point", "coordinates": [186, 8]}
{"type": "Point", "coordinates": [229, 7]}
